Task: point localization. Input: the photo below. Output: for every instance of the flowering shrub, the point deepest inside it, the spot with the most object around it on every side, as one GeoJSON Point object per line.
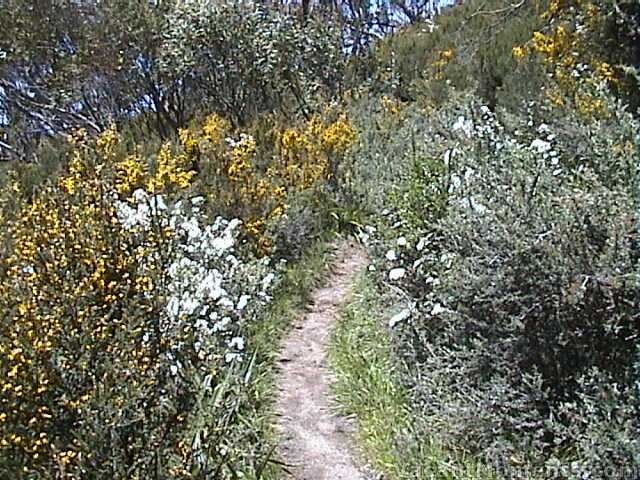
{"type": "Point", "coordinates": [444, 57]}
{"type": "Point", "coordinates": [258, 181]}
{"type": "Point", "coordinates": [517, 332]}
{"type": "Point", "coordinates": [584, 47]}
{"type": "Point", "coordinates": [123, 317]}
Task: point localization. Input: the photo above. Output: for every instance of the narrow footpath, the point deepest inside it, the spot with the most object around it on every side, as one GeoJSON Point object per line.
{"type": "Point", "coordinates": [316, 442]}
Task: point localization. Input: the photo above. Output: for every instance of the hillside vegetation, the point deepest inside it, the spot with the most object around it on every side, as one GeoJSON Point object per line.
{"type": "Point", "coordinates": [174, 169]}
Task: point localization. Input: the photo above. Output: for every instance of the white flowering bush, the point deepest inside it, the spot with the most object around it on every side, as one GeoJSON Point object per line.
{"type": "Point", "coordinates": [205, 285]}
{"type": "Point", "coordinates": [516, 308]}
{"type": "Point", "coordinates": [123, 333]}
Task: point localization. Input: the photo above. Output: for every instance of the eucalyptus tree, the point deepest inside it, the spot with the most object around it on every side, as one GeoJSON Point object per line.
{"type": "Point", "coordinates": [67, 64]}
{"type": "Point", "coordinates": [243, 57]}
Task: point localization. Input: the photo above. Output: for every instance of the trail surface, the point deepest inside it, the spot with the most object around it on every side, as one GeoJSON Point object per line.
{"type": "Point", "coordinates": [315, 440]}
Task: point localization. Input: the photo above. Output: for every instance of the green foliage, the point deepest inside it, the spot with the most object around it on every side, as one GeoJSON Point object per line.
{"type": "Point", "coordinates": [123, 376]}
{"type": "Point", "coordinates": [121, 337]}
{"type": "Point", "coordinates": [467, 46]}
{"type": "Point", "coordinates": [83, 69]}
{"type": "Point", "coordinates": [57, 56]}
{"type": "Point", "coordinates": [525, 292]}
{"type": "Point", "coordinates": [511, 236]}
{"type": "Point", "coordinates": [603, 36]}
{"type": "Point", "coordinates": [248, 59]}
{"type": "Point", "coordinates": [389, 147]}
{"type": "Point", "coordinates": [306, 221]}
{"type": "Point", "coordinates": [367, 387]}
{"type": "Point", "coordinates": [424, 194]}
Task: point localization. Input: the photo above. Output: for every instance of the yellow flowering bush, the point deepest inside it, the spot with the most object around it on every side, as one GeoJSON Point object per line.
{"type": "Point", "coordinates": [390, 106]}
{"type": "Point", "coordinates": [573, 49]}
{"type": "Point", "coordinates": [172, 170]}
{"type": "Point", "coordinates": [241, 155]}
{"type": "Point", "coordinates": [107, 368]}
{"type": "Point", "coordinates": [130, 174]}
{"type": "Point", "coordinates": [444, 57]}
{"type": "Point", "coordinates": [215, 128]}
{"type": "Point", "coordinates": [338, 136]}
{"type": "Point", "coordinates": [252, 179]}
{"type": "Point", "coordinates": [70, 272]}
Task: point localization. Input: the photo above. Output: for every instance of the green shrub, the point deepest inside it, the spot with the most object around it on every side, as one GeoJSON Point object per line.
{"type": "Point", "coordinates": [523, 340]}
{"type": "Point", "coordinates": [242, 58]}
{"type": "Point", "coordinates": [468, 46]}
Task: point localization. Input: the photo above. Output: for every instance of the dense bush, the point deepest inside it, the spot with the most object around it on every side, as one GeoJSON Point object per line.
{"type": "Point", "coordinates": [243, 58]}
{"type": "Point", "coordinates": [279, 180]}
{"type": "Point", "coordinates": [499, 169]}
{"type": "Point", "coordinates": [122, 324]}
{"type": "Point", "coordinates": [65, 66]}
{"type": "Point", "coordinates": [468, 46]}
{"type": "Point", "coordinates": [579, 37]}
{"type": "Point", "coordinates": [510, 234]}
{"type": "Point", "coordinates": [520, 343]}
{"type": "Point", "coordinates": [125, 309]}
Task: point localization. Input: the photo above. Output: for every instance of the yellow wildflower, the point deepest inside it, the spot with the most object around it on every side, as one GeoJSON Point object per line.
{"type": "Point", "coordinates": [518, 52]}
{"type": "Point", "coordinates": [107, 141]}
{"type": "Point", "coordinates": [339, 136]}
{"type": "Point", "coordinates": [606, 72]}
{"type": "Point", "coordinates": [254, 227]}
{"type": "Point", "coordinates": [130, 174]}
{"type": "Point", "coordinates": [189, 142]}
{"type": "Point", "coordinates": [446, 55]}
{"type": "Point", "coordinates": [215, 128]}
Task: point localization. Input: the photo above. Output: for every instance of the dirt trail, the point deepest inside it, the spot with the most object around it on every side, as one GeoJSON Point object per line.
{"type": "Point", "coordinates": [316, 441]}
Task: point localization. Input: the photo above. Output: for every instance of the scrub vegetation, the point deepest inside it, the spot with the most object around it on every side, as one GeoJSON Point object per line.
{"type": "Point", "coordinates": [173, 171]}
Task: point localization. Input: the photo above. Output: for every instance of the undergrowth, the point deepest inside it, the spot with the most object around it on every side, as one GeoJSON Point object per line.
{"type": "Point", "coordinates": [366, 387]}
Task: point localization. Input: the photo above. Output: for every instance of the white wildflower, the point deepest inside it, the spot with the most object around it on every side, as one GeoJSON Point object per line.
{"type": "Point", "coordinates": [222, 325]}
{"type": "Point", "coordinates": [232, 357]}
{"type": "Point", "coordinates": [540, 146]}
{"type": "Point", "coordinates": [237, 343]}
{"type": "Point", "coordinates": [438, 309]}
{"type": "Point", "coordinates": [157, 204]}
{"type": "Point", "coordinates": [211, 285]}
{"type": "Point", "coordinates": [432, 281]}
{"type": "Point", "coordinates": [242, 302]}
{"type": "Point", "coordinates": [226, 302]}
{"type": "Point", "coordinates": [266, 282]}
{"type": "Point", "coordinates": [399, 317]}
{"type": "Point", "coordinates": [396, 273]}
{"type": "Point", "coordinates": [463, 124]}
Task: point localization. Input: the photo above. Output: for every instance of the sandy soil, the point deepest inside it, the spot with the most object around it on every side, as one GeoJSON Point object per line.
{"type": "Point", "coordinates": [315, 440]}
